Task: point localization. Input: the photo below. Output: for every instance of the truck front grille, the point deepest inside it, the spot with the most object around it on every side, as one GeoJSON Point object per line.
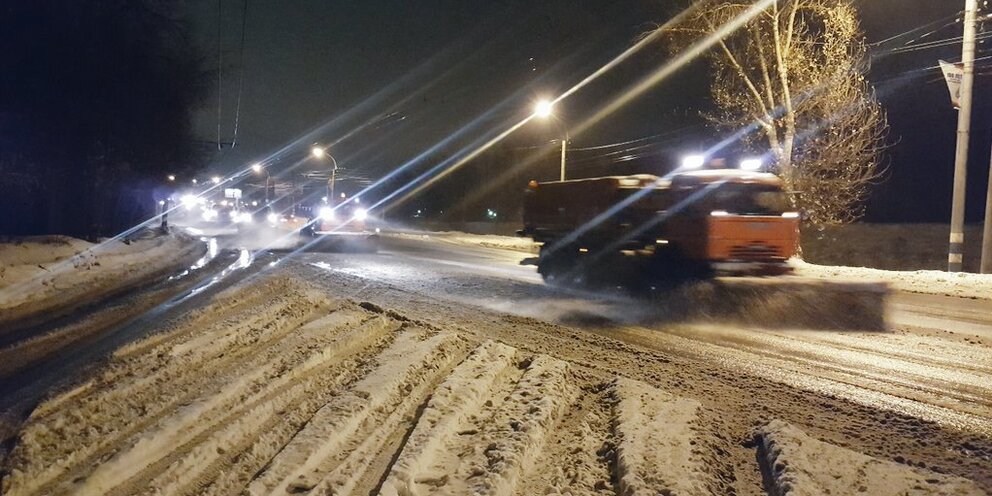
{"type": "Point", "coordinates": [755, 252]}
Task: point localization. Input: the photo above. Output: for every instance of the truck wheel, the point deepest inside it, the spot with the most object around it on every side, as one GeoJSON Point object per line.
{"type": "Point", "coordinates": [555, 266]}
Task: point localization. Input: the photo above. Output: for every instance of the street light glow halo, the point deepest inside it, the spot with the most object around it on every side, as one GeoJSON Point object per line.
{"type": "Point", "coordinates": [544, 108]}
{"type": "Point", "coordinates": [317, 151]}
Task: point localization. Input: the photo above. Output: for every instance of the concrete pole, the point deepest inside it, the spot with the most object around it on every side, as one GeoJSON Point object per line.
{"type": "Point", "coordinates": [986, 267]}
{"type": "Point", "coordinates": [331, 180]}
{"type": "Point", "coordinates": [956, 247]}
{"type": "Point", "coordinates": [268, 179]}
{"type": "Point", "coordinates": [564, 143]}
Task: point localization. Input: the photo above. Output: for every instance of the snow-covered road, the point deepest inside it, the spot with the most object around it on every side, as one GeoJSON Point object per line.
{"type": "Point", "coordinates": [434, 368]}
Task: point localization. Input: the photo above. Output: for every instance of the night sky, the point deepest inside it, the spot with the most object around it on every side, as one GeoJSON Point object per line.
{"type": "Point", "coordinates": [444, 74]}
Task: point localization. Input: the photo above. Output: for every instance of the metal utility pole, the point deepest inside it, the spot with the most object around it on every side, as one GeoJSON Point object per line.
{"type": "Point", "coordinates": [564, 143]}
{"type": "Point", "coordinates": [956, 247]}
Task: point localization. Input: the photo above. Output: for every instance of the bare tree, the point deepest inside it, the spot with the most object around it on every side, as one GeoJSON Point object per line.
{"type": "Point", "coordinates": [795, 74]}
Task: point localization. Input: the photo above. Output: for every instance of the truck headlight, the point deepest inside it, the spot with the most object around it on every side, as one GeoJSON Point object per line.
{"type": "Point", "coordinates": [326, 213]}
{"type": "Point", "coordinates": [361, 214]}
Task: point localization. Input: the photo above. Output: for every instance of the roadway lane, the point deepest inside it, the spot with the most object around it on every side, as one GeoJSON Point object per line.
{"type": "Point", "coordinates": [909, 368]}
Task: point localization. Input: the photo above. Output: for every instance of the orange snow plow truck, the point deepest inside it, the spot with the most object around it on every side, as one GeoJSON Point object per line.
{"type": "Point", "coordinates": [689, 224]}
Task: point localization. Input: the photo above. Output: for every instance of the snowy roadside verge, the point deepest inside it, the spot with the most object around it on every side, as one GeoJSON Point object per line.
{"type": "Point", "coordinates": [53, 274]}
{"type": "Point", "coordinates": [935, 282]}
{"type": "Point", "coordinates": [464, 239]}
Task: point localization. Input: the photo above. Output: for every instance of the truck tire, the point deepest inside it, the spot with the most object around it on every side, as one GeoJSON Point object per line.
{"type": "Point", "coordinates": [557, 265]}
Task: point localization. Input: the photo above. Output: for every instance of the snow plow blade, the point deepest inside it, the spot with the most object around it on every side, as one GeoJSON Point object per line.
{"type": "Point", "coordinates": [780, 302]}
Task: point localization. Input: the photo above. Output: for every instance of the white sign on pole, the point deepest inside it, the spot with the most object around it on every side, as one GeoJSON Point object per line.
{"type": "Point", "coordinates": [232, 193]}
{"type": "Point", "coordinates": [953, 74]}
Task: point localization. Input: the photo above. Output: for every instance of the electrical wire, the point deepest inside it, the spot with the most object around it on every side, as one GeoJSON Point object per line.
{"type": "Point", "coordinates": [954, 16]}
{"type": "Point", "coordinates": [936, 44]}
{"type": "Point", "coordinates": [241, 77]}
{"type": "Point", "coordinates": [220, 73]}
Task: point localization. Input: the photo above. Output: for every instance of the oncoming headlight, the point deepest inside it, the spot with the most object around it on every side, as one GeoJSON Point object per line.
{"type": "Point", "coordinates": [326, 213]}
{"type": "Point", "coordinates": [361, 214]}
{"type": "Point", "coordinates": [273, 218]}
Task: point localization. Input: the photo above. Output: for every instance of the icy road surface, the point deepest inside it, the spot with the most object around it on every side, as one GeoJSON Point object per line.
{"type": "Point", "coordinates": [429, 368]}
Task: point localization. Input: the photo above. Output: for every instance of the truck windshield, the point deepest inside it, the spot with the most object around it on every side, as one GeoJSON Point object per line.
{"type": "Point", "coordinates": [747, 199]}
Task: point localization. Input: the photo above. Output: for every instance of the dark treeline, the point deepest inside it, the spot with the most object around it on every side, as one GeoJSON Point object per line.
{"type": "Point", "coordinates": [95, 99]}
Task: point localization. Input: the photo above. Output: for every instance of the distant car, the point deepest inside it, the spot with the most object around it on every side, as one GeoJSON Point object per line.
{"type": "Point", "coordinates": [345, 225]}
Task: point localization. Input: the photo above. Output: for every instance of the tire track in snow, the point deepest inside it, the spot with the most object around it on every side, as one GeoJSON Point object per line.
{"type": "Point", "coordinates": [123, 409]}
{"type": "Point", "coordinates": [489, 450]}
{"type": "Point", "coordinates": [304, 394]}
{"type": "Point", "coordinates": [353, 425]}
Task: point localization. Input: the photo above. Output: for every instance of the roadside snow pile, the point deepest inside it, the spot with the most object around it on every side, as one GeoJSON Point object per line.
{"type": "Point", "coordinates": [41, 273]}
{"type": "Point", "coordinates": [465, 239]}
{"type": "Point", "coordinates": [960, 284]}
{"type": "Point", "coordinates": [799, 465]}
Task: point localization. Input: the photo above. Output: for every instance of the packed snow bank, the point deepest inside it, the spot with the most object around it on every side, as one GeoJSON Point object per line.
{"type": "Point", "coordinates": [465, 239]}
{"type": "Point", "coordinates": [657, 449]}
{"type": "Point", "coordinates": [960, 284]}
{"type": "Point", "coordinates": [799, 465]}
{"type": "Point", "coordinates": [42, 273]}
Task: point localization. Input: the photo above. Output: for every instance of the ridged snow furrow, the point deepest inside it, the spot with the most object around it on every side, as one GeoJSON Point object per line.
{"type": "Point", "coordinates": [578, 450]}
{"type": "Point", "coordinates": [521, 426]}
{"type": "Point", "coordinates": [124, 378]}
{"type": "Point", "coordinates": [225, 305]}
{"type": "Point", "coordinates": [229, 403]}
{"type": "Point", "coordinates": [358, 418]}
{"type": "Point", "coordinates": [328, 370]}
{"type": "Point", "coordinates": [459, 397]}
{"type": "Point", "coordinates": [103, 424]}
{"type": "Point", "coordinates": [214, 315]}
{"type": "Point", "coordinates": [491, 451]}
{"type": "Point", "coordinates": [656, 449]}
{"type": "Point", "coordinates": [798, 465]}
{"type": "Point", "coordinates": [118, 409]}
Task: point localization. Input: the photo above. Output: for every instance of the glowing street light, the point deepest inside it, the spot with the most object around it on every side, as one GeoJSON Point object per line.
{"type": "Point", "coordinates": [319, 152]}
{"type": "Point", "coordinates": [751, 164]}
{"type": "Point", "coordinates": [544, 109]}
{"type": "Point", "coordinates": [171, 177]}
{"type": "Point", "coordinates": [215, 179]}
{"type": "Point", "coordinates": [258, 169]}
{"type": "Point", "coordinates": [693, 161]}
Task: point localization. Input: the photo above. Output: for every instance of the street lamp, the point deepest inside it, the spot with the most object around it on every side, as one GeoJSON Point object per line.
{"type": "Point", "coordinates": [258, 169]}
{"type": "Point", "coordinates": [171, 177]}
{"type": "Point", "coordinates": [215, 179]}
{"type": "Point", "coordinates": [545, 110]}
{"type": "Point", "coordinates": [319, 152]}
